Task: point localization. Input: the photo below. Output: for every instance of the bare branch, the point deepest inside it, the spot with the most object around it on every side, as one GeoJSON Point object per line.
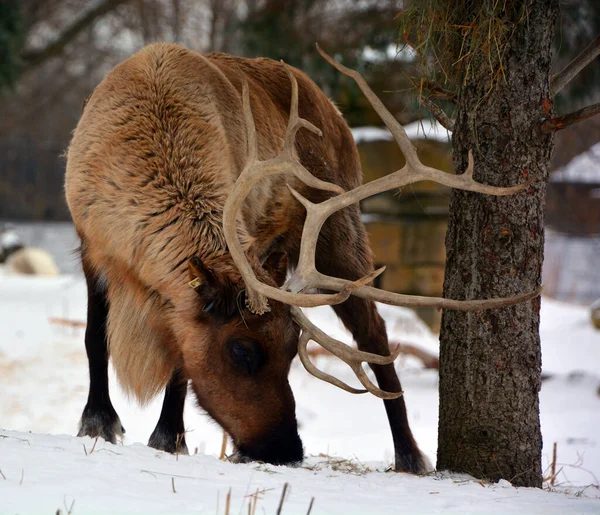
{"type": "Point", "coordinates": [438, 113]}
{"type": "Point", "coordinates": [562, 122]}
{"type": "Point", "coordinates": [35, 58]}
{"type": "Point", "coordinates": [568, 73]}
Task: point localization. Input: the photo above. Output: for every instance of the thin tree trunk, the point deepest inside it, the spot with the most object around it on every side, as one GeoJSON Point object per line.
{"type": "Point", "coordinates": [490, 361]}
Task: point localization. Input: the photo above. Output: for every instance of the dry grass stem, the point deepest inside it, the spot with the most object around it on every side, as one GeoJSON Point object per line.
{"type": "Point", "coordinates": [222, 456]}
{"type": "Point", "coordinates": [228, 502]}
{"type": "Point", "coordinates": [342, 465]}
{"type": "Point", "coordinates": [553, 470]}
{"type": "Point", "coordinates": [69, 510]}
{"type": "Point", "coordinates": [282, 500]}
{"type": "Point", "coordinates": [256, 496]}
{"type": "Point", "coordinates": [93, 446]}
{"type": "Point", "coordinates": [178, 445]}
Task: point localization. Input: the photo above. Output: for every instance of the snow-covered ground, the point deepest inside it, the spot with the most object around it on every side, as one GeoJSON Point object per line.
{"type": "Point", "coordinates": [43, 376]}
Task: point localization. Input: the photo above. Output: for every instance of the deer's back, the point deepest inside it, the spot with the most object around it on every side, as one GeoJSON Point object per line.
{"type": "Point", "coordinates": [162, 140]}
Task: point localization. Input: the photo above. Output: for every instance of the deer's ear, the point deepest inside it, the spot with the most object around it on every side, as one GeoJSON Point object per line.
{"type": "Point", "coordinates": [204, 282]}
{"type": "Point", "coordinates": [218, 295]}
{"type": "Point", "coordinates": [276, 265]}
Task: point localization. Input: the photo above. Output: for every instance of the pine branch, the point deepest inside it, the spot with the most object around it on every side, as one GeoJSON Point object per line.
{"type": "Point", "coordinates": [35, 58]}
{"type": "Point", "coordinates": [561, 122]}
{"type": "Point", "coordinates": [435, 90]}
{"type": "Point", "coordinates": [438, 113]}
{"type": "Point", "coordinates": [561, 79]}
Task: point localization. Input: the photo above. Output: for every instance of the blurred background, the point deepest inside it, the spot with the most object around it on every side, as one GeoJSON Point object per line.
{"type": "Point", "coordinates": [54, 52]}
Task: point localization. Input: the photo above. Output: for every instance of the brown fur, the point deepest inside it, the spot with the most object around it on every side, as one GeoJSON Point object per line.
{"type": "Point", "coordinates": [157, 149]}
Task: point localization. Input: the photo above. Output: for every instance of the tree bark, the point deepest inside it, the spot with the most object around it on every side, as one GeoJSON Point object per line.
{"type": "Point", "coordinates": [490, 361]}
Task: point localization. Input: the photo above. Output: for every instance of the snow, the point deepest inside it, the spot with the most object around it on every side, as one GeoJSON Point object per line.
{"type": "Point", "coordinates": [45, 473]}
{"type": "Point", "coordinates": [43, 373]}
{"type": "Point", "coordinates": [583, 168]}
{"type": "Point", "coordinates": [421, 129]}
{"type": "Point", "coordinates": [8, 238]}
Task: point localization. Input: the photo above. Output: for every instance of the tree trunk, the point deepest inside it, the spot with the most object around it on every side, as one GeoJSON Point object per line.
{"type": "Point", "coordinates": [490, 361]}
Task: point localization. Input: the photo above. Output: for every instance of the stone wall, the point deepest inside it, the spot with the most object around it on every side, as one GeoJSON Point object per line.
{"type": "Point", "coordinates": [407, 229]}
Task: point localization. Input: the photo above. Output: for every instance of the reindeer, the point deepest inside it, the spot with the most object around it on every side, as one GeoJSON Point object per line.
{"type": "Point", "coordinates": [194, 194]}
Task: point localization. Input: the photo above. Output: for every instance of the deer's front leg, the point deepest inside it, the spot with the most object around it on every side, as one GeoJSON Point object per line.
{"type": "Point", "coordinates": [99, 417]}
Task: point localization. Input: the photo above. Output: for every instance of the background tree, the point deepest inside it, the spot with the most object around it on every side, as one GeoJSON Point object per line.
{"type": "Point", "coordinates": [11, 40]}
{"type": "Point", "coordinates": [496, 60]}
{"type": "Point", "coordinates": [59, 50]}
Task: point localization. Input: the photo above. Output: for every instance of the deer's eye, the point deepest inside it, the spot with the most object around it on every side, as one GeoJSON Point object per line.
{"type": "Point", "coordinates": [246, 356]}
{"type": "Point", "coordinates": [239, 351]}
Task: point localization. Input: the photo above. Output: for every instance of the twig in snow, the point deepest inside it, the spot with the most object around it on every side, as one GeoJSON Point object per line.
{"type": "Point", "coordinates": [285, 487]}
{"type": "Point", "coordinates": [94, 446]}
{"type": "Point", "coordinates": [223, 446]}
{"type": "Point", "coordinates": [553, 469]}
{"type": "Point", "coordinates": [254, 498]}
{"type": "Point", "coordinates": [155, 473]}
{"type": "Point", "coordinates": [16, 438]}
{"type": "Point", "coordinates": [3, 476]}
{"type": "Point", "coordinates": [109, 450]}
{"type": "Point", "coordinates": [178, 444]}
{"type": "Point", "coordinates": [228, 502]}
{"type": "Point", "coordinates": [22, 476]}
{"type": "Point", "coordinates": [312, 500]}
{"type": "Point", "coordinates": [76, 324]}
{"type": "Point", "coordinates": [70, 509]}
{"type": "Point", "coordinates": [173, 485]}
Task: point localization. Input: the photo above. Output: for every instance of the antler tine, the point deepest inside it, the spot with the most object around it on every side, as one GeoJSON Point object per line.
{"type": "Point", "coordinates": [352, 357]}
{"type": "Point", "coordinates": [392, 124]}
{"type": "Point", "coordinates": [319, 374]}
{"type": "Point", "coordinates": [294, 123]}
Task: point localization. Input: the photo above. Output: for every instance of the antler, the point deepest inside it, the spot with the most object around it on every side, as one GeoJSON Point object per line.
{"type": "Point", "coordinates": [255, 170]}
{"type": "Point", "coordinates": [306, 277]}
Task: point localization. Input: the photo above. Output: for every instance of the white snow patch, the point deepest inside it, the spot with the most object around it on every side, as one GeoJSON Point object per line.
{"type": "Point", "coordinates": [421, 129]}
{"type": "Point", "coordinates": [583, 168]}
